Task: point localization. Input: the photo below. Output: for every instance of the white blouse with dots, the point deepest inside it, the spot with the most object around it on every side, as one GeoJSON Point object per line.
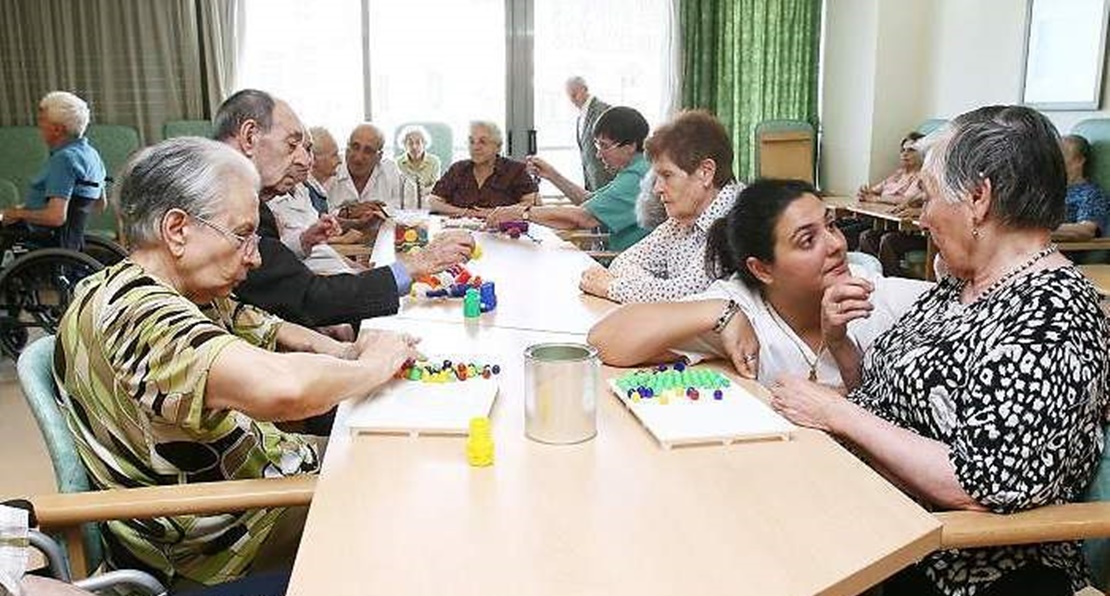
{"type": "Point", "coordinates": [669, 263]}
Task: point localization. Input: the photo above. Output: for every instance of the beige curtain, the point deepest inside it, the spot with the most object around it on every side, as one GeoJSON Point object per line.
{"type": "Point", "coordinates": [137, 62]}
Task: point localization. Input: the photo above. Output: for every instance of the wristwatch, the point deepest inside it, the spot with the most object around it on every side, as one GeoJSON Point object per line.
{"type": "Point", "coordinates": [524, 214]}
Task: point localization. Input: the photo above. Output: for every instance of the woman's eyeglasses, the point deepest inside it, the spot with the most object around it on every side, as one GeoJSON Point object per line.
{"type": "Point", "coordinates": [247, 243]}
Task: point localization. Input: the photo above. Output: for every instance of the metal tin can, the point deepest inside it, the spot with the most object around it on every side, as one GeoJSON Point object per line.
{"type": "Point", "coordinates": [560, 401]}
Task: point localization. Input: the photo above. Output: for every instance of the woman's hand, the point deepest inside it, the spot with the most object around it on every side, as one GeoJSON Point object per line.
{"type": "Point", "coordinates": [596, 281]}
{"type": "Point", "coordinates": [908, 207]}
{"type": "Point", "coordinates": [865, 193]}
{"type": "Point", "coordinates": [741, 345]}
{"type": "Point", "coordinates": [384, 352]}
{"type": "Point", "coordinates": [806, 403]}
{"type": "Point", "coordinates": [501, 215]}
{"type": "Point", "coordinates": [843, 302]}
{"type": "Point", "coordinates": [538, 167]}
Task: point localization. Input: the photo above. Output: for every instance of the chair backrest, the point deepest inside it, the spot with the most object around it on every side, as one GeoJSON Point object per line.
{"type": "Point", "coordinates": [442, 141]}
{"type": "Point", "coordinates": [930, 125]}
{"type": "Point", "coordinates": [1097, 133]}
{"type": "Point", "coordinates": [9, 194]}
{"type": "Point", "coordinates": [785, 149]}
{"type": "Point", "coordinates": [22, 155]}
{"type": "Point", "coordinates": [187, 128]}
{"type": "Point", "coordinates": [115, 144]}
{"type": "Point", "coordinates": [36, 377]}
{"type": "Point", "coordinates": [1097, 550]}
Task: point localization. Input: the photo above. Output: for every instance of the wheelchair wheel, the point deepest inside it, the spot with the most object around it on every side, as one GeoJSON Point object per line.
{"type": "Point", "coordinates": [35, 291]}
{"type": "Point", "coordinates": [107, 252]}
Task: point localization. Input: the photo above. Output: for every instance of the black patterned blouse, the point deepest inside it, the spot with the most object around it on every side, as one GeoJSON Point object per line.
{"type": "Point", "coordinates": [1015, 384]}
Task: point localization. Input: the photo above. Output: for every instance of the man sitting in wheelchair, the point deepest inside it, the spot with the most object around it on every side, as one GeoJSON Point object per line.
{"type": "Point", "coordinates": [70, 186]}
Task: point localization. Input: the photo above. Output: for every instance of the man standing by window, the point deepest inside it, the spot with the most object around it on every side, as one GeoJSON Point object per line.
{"type": "Point", "coordinates": [590, 108]}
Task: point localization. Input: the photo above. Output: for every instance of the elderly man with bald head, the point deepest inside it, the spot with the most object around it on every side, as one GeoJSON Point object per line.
{"type": "Point", "coordinates": [368, 175]}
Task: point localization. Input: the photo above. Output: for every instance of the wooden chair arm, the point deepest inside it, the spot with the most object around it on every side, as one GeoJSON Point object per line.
{"type": "Point", "coordinates": [62, 510]}
{"type": "Point", "coordinates": [1094, 244]}
{"type": "Point", "coordinates": [1052, 523]}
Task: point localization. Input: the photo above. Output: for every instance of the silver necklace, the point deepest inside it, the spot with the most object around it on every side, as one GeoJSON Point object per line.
{"type": "Point", "coordinates": [1037, 256]}
{"type": "Point", "coordinates": [787, 331]}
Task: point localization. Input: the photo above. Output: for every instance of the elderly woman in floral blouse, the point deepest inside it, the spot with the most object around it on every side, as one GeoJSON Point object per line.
{"type": "Point", "coordinates": [691, 158]}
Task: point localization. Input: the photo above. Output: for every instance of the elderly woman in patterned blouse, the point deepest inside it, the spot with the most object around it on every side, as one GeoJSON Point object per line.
{"type": "Point", "coordinates": [989, 393]}
{"type": "Point", "coordinates": [691, 158]}
{"type": "Point", "coordinates": [167, 379]}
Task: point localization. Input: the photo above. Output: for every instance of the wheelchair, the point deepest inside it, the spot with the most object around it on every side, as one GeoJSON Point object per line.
{"type": "Point", "coordinates": [37, 284]}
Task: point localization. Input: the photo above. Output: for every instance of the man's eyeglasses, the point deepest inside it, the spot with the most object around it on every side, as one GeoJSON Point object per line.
{"type": "Point", "coordinates": [246, 243]}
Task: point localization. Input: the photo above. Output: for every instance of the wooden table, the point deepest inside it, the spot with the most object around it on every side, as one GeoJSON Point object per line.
{"type": "Point", "coordinates": [884, 217]}
{"type": "Point", "coordinates": [1099, 276]}
{"type": "Point", "coordinates": [537, 283]}
{"type": "Point", "coordinates": [614, 515]}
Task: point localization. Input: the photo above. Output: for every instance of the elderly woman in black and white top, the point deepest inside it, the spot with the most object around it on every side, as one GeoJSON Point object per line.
{"type": "Point", "coordinates": [989, 393]}
{"type": "Point", "coordinates": [691, 158]}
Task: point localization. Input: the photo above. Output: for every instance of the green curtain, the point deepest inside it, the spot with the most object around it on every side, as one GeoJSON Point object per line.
{"type": "Point", "coordinates": [748, 61]}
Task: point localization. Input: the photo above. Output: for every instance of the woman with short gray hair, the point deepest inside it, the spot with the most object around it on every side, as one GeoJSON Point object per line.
{"type": "Point", "coordinates": [989, 394]}
{"type": "Point", "coordinates": [167, 379]}
{"type": "Point", "coordinates": [71, 183]}
{"type": "Point", "coordinates": [474, 187]}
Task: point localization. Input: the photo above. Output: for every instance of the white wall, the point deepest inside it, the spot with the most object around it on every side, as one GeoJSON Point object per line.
{"type": "Point", "coordinates": [872, 92]}
{"type": "Point", "coordinates": [848, 92]}
{"type": "Point", "coordinates": [913, 61]}
{"type": "Point", "coordinates": [900, 89]}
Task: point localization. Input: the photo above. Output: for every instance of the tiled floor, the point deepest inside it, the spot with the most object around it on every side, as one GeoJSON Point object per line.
{"type": "Point", "coordinates": [25, 468]}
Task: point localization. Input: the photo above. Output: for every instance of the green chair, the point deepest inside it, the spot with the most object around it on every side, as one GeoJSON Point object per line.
{"type": "Point", "coordinates": [79, 506]}
{"type": "Point", "coordinates": [1088, 521]}
{"type": "Point", "coordinates": [1097, 133]}
{"type": "Point", "coordinates": [9, 194]}
{"type": "Point", "coordinates": [22, 153]}
{"type": "Point", "coordinates": [930, 125]}
{"type": "Point", "coordinates": [36, 376]}
{"type": "Point", "coordinates": [187, 128]}
{"type": "Point", "coordinates": [115, 144]}
{"type": "Point", "coordinates": [442, 141]}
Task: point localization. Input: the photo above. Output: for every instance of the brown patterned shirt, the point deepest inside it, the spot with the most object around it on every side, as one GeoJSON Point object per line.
{"type": "Point", "coordinates": [508, 183]}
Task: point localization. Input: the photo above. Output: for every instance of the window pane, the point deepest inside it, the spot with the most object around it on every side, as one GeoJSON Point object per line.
{"type": "Point", "coordinates": [437, 61]}
{"type": "Point", "coordinates": [307, 54]}
{"type": "Point", "coordinates": [617, 46]}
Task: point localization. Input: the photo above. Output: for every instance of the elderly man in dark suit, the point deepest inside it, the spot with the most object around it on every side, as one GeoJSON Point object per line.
{"type": "Point", "coordinates": [590, 109]}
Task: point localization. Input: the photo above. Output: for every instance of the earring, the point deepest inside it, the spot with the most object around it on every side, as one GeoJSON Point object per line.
{"type": "Point", "coordinates": [975, 232]}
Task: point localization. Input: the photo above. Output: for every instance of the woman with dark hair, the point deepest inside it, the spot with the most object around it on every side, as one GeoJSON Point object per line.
{"type": "Point", "coordinates": [990, 392]}
{"type": "Point", "coordinates": [691, 157]}
{"type": "Point", "coordinates": [782, 259]}
{"type": "Point", "coordinates": [619, 137]}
